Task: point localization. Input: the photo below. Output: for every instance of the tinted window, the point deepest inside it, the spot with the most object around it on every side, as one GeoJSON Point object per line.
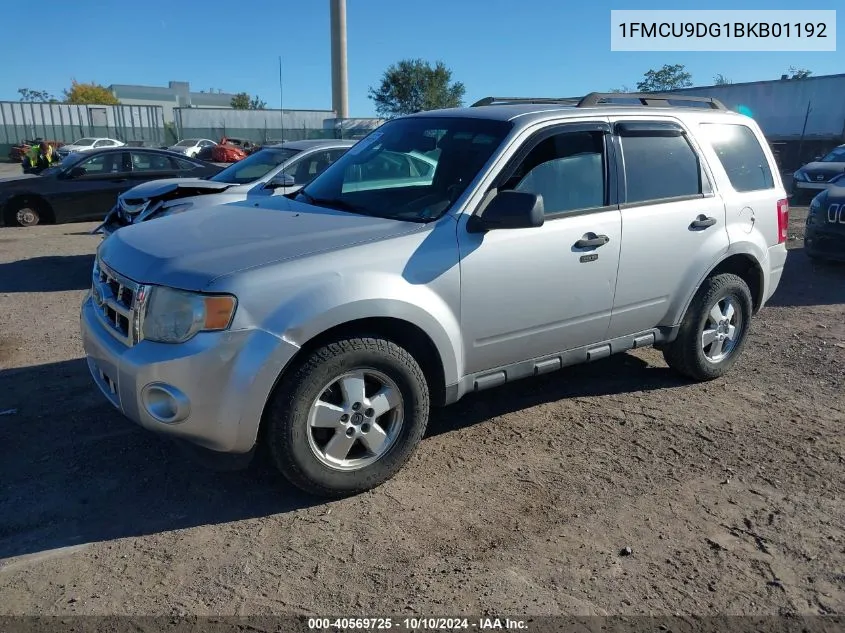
{"type": "Point", "coordinates": [567, 170]}
{"type": "Point", "coordinates": [741, 155]}
{"type": "Point", "coordinates": [306, 169]}
{"type": "Point", "coordinates": [141, 161]}
{"type": "Point", "coordinates": [836, 156]}
{"type": "Point", "coordinates": [255, 166]}
{"type": "Point", "coordinates": [658, 167]}
{"type": "Point", "coordinates": [108, 163]}
{"type": "Point", "coordinates": [179, 163]}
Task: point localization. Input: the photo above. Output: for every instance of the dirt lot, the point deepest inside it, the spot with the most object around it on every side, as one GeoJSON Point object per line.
{"type": "Point", "coordinates": [519, 501]}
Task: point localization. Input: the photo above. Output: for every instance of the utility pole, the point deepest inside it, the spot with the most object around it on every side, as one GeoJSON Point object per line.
{"type": "Point", "coordinates": [340, 85]}
{"type": "Point", "coordinates": [281, 99]}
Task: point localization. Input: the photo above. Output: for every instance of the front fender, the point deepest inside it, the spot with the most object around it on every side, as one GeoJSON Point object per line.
{"type": "Point", "coordinates": [340, 300]}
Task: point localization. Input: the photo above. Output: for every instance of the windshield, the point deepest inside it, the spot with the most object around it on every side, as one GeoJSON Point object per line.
{"type": "Point", "coordinates": [190, 142]}
{"type": "Point", "coordinates": [408, 169]}
{"type": "Point", "coordinates": [836, 156]}
{"type": "Point", "coordinates": [255, 166]}
{"type": "Point", "coordinates": [84, 142]}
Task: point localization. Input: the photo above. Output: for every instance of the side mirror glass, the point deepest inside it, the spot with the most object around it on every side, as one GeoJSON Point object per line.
{"type": "Point", "coordinates": [280, 180]}
{"type": "Point", "coordinates": [510, 210]}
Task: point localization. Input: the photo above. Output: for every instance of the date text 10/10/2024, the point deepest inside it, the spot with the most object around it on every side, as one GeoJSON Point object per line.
{"type": "Point", "coordinates": [416, 624]}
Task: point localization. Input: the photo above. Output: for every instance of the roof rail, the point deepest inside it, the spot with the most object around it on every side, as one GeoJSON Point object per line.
{"type": "Point", "coordinates": [567, 101]}
{"type": "Point", "coordinates": [647, 99]}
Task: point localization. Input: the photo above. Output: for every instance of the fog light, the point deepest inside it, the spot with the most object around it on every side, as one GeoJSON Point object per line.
{"type": "Point", "coordinates": [165, 403]}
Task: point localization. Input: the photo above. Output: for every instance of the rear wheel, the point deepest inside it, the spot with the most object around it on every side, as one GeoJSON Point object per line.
{"type": "Point", "coordinates": [348, 417]}
{"type": "Point", "coordinates": [714, 329]}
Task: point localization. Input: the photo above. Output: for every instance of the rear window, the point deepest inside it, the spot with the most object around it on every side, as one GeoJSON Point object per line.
{"type": "Point", "coordinates": [741, 155]}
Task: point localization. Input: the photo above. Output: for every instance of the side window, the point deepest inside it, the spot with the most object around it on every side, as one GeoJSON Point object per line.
{"type": "Point", "coordinates": [142, 161]}
{"type": "Point", "coordinates": [180, 164]}
{"type": "Point", "coordinates": [567, 170]}
{"type": "Point", "coordinates": [98, 164]}
{"type": "Point", "coordinates": [741, 155]}
{"type": "Point", "coordinates": [334, 154]}
{"type": "Point", "coordinates": [659, 166]}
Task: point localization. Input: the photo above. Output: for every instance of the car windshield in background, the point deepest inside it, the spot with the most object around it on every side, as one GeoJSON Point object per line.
{"type": "Point", "coordinates": [83, 142]}
{"type": "Point", "coordinates": [255, 166]}
{"type": "Point", "coordinates": [408, 169]}
{"type": "Point", "coordinates": [187, 143]}
{"type": "Point", "coordinates": [836, 156]}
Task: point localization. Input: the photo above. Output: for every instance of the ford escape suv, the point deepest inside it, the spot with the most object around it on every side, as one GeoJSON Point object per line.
{"type": "Point", "coordinates": [324, 324]}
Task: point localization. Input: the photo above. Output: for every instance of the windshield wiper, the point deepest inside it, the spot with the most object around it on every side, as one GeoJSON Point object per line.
{"type": "Point", "coordinates": [333, 203]}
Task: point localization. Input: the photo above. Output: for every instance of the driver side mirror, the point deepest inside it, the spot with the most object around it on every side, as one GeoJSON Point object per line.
{"type": "Point", "coordinates": [280, 180]}
{"type": "Point", "coordinates": [510, 210]}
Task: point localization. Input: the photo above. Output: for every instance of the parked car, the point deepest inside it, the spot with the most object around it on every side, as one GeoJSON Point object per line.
{"type": "Point", "coordinates": [325, 324]}
{"type": "Point", "coordinates": [88, 144]}
{"type": "Point", "coordinates": [818, 175]}
{"type": "Point", "coordinates": [824, 235]}
{"type": "Point", "coordinates": [278, 170]}
{"type": "Point", "coordinates": [83, 186]}
{"type": "Point", "coordinates": [192, 146]}
{"type": "Point", "coordinates": [231, 150]}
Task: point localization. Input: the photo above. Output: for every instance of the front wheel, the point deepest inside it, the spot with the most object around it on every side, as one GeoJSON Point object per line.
{"type": "Point", "coordinates": [348, 417]}
{"type": "Point", "coordinates": [23, 214]}
{"type": "Point", "coordinates": [714, 329]}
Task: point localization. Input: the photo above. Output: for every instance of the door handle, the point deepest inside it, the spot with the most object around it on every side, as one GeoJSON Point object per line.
{"type": "Point", "coordinates": [702, 222]}
{"type": "Point", "coordinates": [592, 242]}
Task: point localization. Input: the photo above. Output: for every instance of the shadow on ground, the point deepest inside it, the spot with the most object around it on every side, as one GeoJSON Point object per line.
{"type": "Point", "coordinates": [808, 282]}
{"type": "Point", "coordinates": [74, 471]}
{"type": "Point", "coordinates": [47, 274]}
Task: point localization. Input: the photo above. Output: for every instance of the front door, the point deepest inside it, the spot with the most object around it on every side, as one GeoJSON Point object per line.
{"type": "Point", "coordinates": [526, 293]}
{"type": "Point", "coordinates": [92, 191]}
{"type": "Point", "coordinates": [673, 224]}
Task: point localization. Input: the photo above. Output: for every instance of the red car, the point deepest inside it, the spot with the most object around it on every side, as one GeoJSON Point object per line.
{"type": "Point", "coordinates": [231, 150]}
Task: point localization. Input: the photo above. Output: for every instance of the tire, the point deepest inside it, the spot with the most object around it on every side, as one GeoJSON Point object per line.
{"type": "Point", "coordinates": [310, 456]}
{"type": "Point", "coordinates": [23, 214]}
{"type": "Point", "coordinates": [687, 354]}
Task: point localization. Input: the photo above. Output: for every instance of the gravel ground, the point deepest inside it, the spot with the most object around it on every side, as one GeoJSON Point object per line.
{"type": "Point", "coordinates": [521, 500]}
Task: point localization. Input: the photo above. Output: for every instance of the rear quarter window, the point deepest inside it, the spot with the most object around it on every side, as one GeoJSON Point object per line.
{"type": "Point", "coordinates": [741, 155]}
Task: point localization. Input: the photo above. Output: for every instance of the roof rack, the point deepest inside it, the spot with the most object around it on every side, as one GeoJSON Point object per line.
{"type": "Point", "coordinates": [647, 99]}
{"type": "Point", "coordinates": [569, 101]}
{"type": "Point", "coordinates": [595, 99]}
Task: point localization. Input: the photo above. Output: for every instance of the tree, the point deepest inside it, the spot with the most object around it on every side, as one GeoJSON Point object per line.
{"type": "Point", "coordinates": [242, 101]}
{"type": "Point", "coordinates": [413, 85]}
{"type": "Point", "coordinates": [36, 95]}
{"type": "Point", "coordinates": [94, 93]}
{"type": "Point", "coordinates": [670, 77]}
{"type": "Point", "coordinates": [799, 73]}
{"type": "Point", "coordinates": [721, 80]}
{"type": "Point", "coordinates": [620, 90]}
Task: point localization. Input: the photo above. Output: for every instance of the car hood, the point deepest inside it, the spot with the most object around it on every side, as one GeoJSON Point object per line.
{"type": "Point", "coordinates": [19, 177]}
{"type": "Point", "coordinates": [826, 168]}
{"type": "Point", "coordinates": [191, 250]}
{"type": "Point", "coordinates": [157, 188]}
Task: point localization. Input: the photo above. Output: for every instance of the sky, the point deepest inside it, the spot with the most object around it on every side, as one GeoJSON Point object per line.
{"type": "Point", "coordinates": [553, 48]}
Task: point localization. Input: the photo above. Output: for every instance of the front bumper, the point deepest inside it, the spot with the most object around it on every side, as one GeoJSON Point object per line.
{"type": "Point", "coordinates": [824, 244]}
{"type": "Point", "coordinates": [210, 391]}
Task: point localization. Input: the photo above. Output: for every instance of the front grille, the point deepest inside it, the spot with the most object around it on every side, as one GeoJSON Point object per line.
{"type": "Point", "coordinates": [119, 303]}
{"type": "Point", "coordinates": [818, 176]}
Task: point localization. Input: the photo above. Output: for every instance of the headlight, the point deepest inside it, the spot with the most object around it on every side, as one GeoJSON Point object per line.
{"type": "Point", "coordinates": [176, 316]}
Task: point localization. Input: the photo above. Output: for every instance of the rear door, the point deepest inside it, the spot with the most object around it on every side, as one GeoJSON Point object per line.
{"type": "Point", "coordinates": [673, 222]}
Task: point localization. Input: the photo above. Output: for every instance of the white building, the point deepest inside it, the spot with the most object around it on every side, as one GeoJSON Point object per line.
{"type": "Point", "coordinates": [177, 94]}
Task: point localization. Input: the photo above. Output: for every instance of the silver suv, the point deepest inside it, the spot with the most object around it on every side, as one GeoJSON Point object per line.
{"type": "Point", "coordinates": [447, 252]}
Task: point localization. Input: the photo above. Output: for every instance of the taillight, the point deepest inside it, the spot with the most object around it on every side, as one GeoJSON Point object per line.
{"type": "Point", "coordinates": [783, 220]}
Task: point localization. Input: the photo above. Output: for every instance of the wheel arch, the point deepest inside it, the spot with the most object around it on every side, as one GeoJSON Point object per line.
{"type": "Point", "coordinates": [742, 264]}
{"type": "Point", "coordinates": [404, 333]}
{"type": "Point", "coordinates": [48, 216]}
